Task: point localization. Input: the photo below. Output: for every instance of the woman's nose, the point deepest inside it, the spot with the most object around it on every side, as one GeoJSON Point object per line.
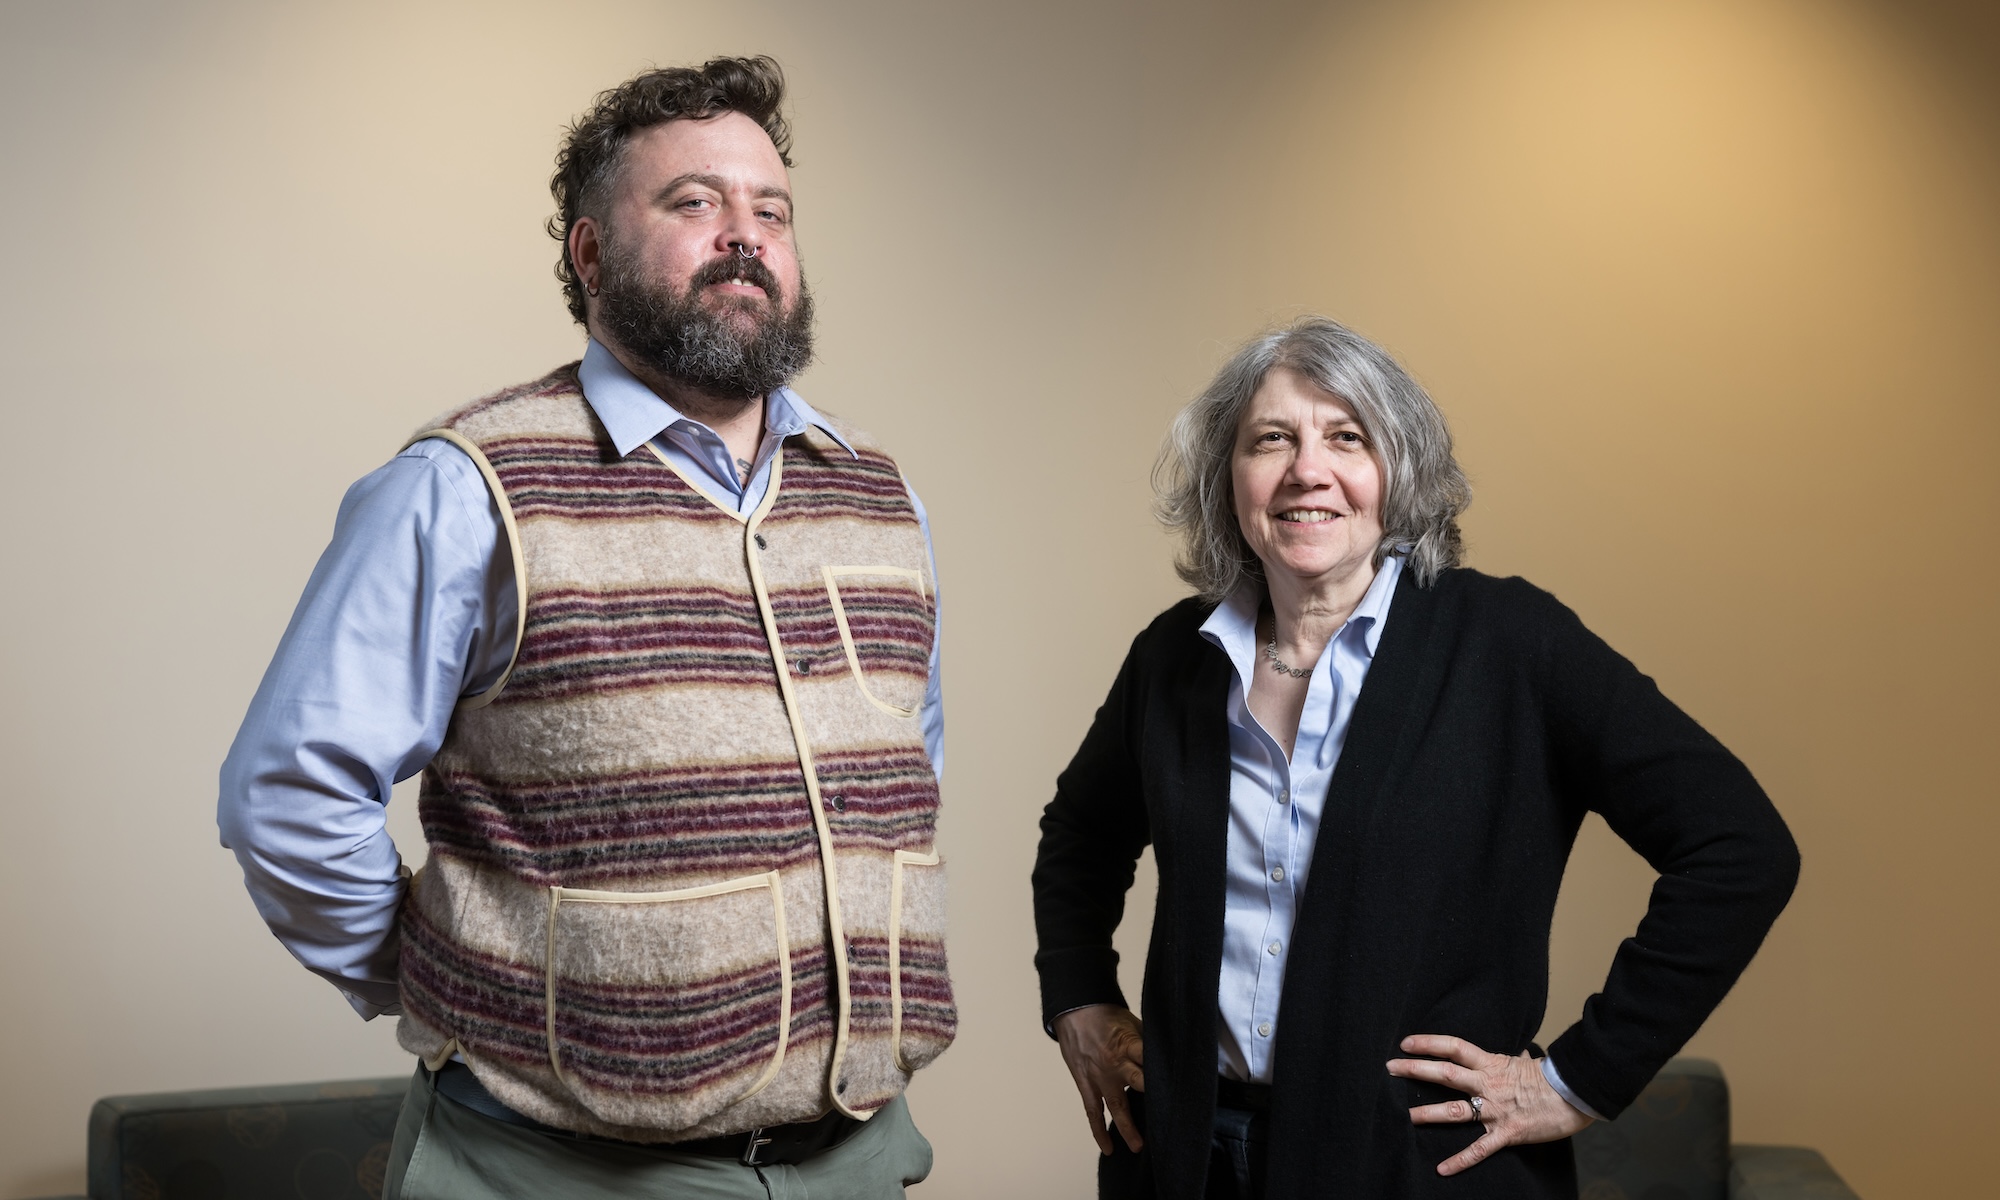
{"type": "Point", "coordinates": [1312, 466]}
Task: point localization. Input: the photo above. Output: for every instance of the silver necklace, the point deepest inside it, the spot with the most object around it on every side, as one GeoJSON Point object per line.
{"type": "Point", "coordinates": [1278, 664]}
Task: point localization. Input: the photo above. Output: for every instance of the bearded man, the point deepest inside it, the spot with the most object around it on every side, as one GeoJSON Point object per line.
{"type": "Point", "coordinates": [663, 641]}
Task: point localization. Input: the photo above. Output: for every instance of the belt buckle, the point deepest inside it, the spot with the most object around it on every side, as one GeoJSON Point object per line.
{"type": "Point", "coordinates": [753, 1142]}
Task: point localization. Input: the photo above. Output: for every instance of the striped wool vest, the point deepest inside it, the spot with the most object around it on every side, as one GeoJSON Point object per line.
{"type": "Point", "coordinates": [682, 879]}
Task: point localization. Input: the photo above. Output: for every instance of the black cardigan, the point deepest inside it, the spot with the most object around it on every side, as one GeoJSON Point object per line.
{"type": "Point", "coordinates": [1491, 721]}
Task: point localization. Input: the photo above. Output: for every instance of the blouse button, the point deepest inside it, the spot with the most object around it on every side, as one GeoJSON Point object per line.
{"type": "Point", "coordinates": [1277, 874]}
{"type": "Point", "coordinates": [1272, 948]}
{"type": "Point", "coordinates": [1285, 796]}
{"type": "Point", "coordinates": [1264, 1030]}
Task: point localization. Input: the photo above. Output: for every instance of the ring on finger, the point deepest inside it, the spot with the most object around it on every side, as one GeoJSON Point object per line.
{"type": "Point", "coordinates": [1478, 1108]}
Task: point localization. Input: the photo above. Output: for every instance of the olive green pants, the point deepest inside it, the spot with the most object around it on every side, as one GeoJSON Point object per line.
{"type": "Point", "coordinates": [445, 1151]}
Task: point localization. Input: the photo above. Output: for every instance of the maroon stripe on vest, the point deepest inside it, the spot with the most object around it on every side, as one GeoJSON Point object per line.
{"type": "Point", "coordinates": [926, 986]}
{"type": "Point", "coordinates": [571, 479]}
{"type": "Point", "coordinates": [710, 819]}
{"type": "Point", "coordinates": [889, 622]}
{"type": "Point", "coordinates": [582, 642]}
{"type": "Point", "coordinates": [929, 1011]}
{"type": "Point", "coordinates": [493, 1007]}
{"type": "Point", "coordinates": [657, 1040]}
{"type": "Point", "coordinates": [887, 799]}
{"type": "Point", "coordinates": [661, 1039]}
{"type": "Point", "coordinates": [827, 483]}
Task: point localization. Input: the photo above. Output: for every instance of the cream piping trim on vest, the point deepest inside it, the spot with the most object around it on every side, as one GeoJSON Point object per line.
{"type": "Point", "coordinates": [436, 1062]}
{"type": "Point", "coordinates": [701, 491]}
{"type": "Point", "coordinates": [903, 858]}
{"type": "Point", "coordinates": [513, 546]}
{"type": "Point", "coordinates": [773, 880]}
{"type": "Point", "coordinates": [836, 928]}
{"type": "Point", "coordinates": [831, 574]}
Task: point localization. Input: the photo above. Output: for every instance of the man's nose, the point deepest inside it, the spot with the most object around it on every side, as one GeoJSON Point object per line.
{"type": "Point", "coordinates": [740, 234]}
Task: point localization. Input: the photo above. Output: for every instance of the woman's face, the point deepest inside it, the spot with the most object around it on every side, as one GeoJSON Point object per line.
{"type": "Point", "coordinates": [1308, 488]}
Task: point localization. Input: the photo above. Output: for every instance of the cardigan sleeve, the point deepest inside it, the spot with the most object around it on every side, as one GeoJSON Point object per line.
{"type": "Point", "coordinates": [1093, 832]}
{"type": "Point", "coordinates": [1692, 810]}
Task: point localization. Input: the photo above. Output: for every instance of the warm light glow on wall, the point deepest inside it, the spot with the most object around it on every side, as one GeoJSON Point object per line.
{"type": "Point", "coordinates": [1706, 288]}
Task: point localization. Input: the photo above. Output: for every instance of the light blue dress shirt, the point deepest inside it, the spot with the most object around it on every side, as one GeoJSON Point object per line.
{"type": "Point", "coordinates": [1275, 805]}
{"type": "Point", "coordinates": [411, 608]}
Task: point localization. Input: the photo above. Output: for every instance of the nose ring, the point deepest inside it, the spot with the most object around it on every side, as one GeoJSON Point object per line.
{"type": "Point", "coordinates": [745, 252]}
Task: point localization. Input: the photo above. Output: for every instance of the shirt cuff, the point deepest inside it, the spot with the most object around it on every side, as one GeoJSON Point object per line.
{"type": "Point", "coordinates": [368, 1009]}
{"type": "Point", "coordinates": [1555, 1079]}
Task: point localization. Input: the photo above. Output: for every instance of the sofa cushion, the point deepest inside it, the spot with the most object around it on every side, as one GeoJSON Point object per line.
{"type": "Point", "coordinates": [325, 1141]}
{"type": "Point", "coordinates": [1671, 1144]}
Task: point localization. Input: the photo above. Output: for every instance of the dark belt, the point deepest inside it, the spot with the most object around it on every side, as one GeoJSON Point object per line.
{"type": "Point", "coordinates": [1243, 1097]}
{"type": "Point", "coordinates": [774, 1144]}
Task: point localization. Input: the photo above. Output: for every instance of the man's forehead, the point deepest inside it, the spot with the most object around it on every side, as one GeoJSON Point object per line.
{"type": "Point", "coordinates": [728, 147]}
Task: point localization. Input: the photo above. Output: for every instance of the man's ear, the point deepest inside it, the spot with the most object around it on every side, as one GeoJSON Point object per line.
{"type": "Point", "coordinates": [586, 253]}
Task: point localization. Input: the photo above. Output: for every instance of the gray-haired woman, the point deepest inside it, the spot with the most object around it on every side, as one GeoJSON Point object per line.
{"type": "Point", "coordinates": [1370, 1035]}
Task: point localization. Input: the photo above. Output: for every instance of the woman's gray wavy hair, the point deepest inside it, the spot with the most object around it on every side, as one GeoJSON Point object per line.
{"type": "Point", "coordinates": [1423, 488]}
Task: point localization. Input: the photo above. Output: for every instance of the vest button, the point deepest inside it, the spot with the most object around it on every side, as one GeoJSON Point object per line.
{"type": "Point", "coordinates": [840, 804]}
{"type": "Point", "coordinates": [761, 543]}
{"type": "Point", "coordinates": [805, 666]}
{"type": "Point", "coordinates": [841, 1087]}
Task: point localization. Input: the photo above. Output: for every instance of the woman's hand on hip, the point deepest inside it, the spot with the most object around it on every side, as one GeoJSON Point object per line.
{"type": "Point", "coordinates": [1101, 1045]}
{"type": "Point", "coordinates": [1516, 1103]}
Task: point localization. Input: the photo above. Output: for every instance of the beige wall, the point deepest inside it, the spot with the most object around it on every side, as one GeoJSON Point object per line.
{"type": "Point", "coordinates": [1707, 288]}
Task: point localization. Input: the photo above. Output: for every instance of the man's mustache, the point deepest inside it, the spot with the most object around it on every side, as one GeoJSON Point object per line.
{"type": "Point", "coordinates": [749, 270]}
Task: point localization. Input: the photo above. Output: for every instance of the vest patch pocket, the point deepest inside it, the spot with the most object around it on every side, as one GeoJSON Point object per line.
{"type": "Point", "coordinates": [884, 618]}
{"type": "Point", "coordinates": [923, 1017]}
{"type": "Point", "coordinates": [664, 1008]}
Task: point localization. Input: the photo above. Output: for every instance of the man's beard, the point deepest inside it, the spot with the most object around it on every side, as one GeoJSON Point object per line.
{"type": "Point", "coordinates": [702, 344]}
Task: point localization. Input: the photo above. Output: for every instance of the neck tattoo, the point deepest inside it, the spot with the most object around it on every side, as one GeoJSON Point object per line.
{"type": "Point", "coordinates": [1278, 664]}
{"type": "Point", "coordinates": [743, 465]}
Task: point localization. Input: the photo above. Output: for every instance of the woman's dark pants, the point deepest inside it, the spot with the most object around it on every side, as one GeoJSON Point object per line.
{"type": "Point", "coordinates": [1235, 1151]}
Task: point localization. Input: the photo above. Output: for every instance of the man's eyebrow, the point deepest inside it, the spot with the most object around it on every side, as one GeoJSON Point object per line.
{"type": "Point", "coordinates": [717, 183]}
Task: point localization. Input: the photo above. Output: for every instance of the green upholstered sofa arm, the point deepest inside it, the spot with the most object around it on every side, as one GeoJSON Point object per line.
{"type": "Point", "coordinates": [328, 1141]}
{"type": "Point", "coordinates": [1783, 1173]}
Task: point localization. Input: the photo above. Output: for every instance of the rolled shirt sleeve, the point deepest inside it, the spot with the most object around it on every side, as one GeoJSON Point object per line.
{"type": "Point", "coordinates": [411, 607]}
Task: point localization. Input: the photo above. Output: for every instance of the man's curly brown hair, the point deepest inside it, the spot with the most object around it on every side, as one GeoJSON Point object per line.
{"type": "Point", "coordinates": [591, 155]}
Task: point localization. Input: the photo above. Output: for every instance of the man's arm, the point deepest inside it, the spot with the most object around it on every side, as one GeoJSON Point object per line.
{"type": "Point", "coordinates": [411, 607]}
{"type": "Point", "coordinates": [931, 716]}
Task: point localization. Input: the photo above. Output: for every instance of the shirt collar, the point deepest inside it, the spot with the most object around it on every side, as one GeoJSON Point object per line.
{"type": "Point", "coordinates": [1375, 603]}
{"type": "Point", "coordinates": [634, 414]}
{"type": "Point", "coordinates": [1233, 624]}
